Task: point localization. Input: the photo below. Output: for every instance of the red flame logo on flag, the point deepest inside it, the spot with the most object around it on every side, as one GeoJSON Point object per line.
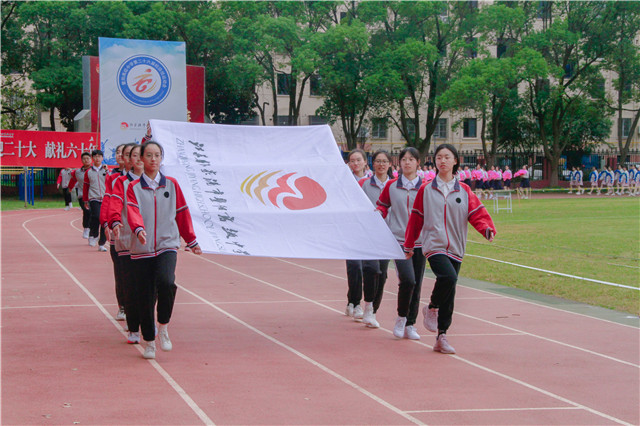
{"type": "Point", "coordinates": [289, 192]}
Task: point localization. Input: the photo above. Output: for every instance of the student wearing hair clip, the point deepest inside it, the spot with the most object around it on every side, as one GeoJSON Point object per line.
{"type": "Point", "coordinates": [158, 216]}
{"type": "Point", "coordinates": [438, 224]}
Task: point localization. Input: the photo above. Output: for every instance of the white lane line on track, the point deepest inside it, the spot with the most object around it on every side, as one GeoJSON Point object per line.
{"type": "Point", "coordinates": [482, 410]}
{"type": "Point", "coordinates": [471, 363]}
{"type": "Point", "coordinates": [294, 351]}
{"type": "Point", "coordinates": [556, 273]}
{"type": "Point", "coordinates": [174, 385]}
{"type": "Point", "coordinates": [506, 327]}
{"type": "Point", "coordinates": [557, 342]}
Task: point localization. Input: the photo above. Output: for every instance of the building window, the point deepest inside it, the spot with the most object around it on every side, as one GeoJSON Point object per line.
{"type": "Point", "coordinates": [314, 85]}
{"type": "Point", "coordinates": [284, 83]}
{"type": "Point", "coordinates": [379, 128]}
{"type": "Point", "coordinates": [283, 120]}
{"type": "Point", "coordinates": [544, 9]}
{"type": "Point", "coordinates": [626, 127]}
{"type": "Point", "coordinates": [411, 128]}
{"type": "Point", "coordinates": [469, 128]}
{"type": "Point", "coordinates": [254, 121]}
{"type": "Point", "coordinates": [316, 120]}
{"type": "Point", "coordinates": [568, 70]}
{"type": "Point", "coordinates": [472, 47]}
{"type": "Point", "coordinates": [441, 129]}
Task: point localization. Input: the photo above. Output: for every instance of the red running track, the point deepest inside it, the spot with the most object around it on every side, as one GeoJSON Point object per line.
{"type": "Point", "coordinates": [265, 341]}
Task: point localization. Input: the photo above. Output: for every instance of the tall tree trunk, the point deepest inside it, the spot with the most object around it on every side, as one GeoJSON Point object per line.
{"type": "Point", "coordinates": [52, 118]}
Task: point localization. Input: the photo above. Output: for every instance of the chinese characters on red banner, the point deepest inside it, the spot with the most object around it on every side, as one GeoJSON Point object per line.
{"type": "Point", "coordinates": [26, 148]}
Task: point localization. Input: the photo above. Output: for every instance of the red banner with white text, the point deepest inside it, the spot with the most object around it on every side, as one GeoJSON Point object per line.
{"type": "Point", "coordinates": [26, 148]}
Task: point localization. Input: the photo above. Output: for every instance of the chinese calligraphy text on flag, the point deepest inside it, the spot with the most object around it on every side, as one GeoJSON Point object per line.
{"type": "Point", "coordinates": [272, 191]}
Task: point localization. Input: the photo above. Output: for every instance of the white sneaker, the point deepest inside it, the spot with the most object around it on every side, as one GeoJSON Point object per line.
{"type": "Point", "coordinates": [133, 338]}
{"type": "Point", "coordinates": [93, 241]}
{"type": "Point", "coordinates": [85, 233]}
{"type": "Point", "coordinates": [120, 316]}
{"type": "Point", "coordinates": [102, 248]}
{"type": "Point", "coordinates": [358, 313]}
{"type": "Point", "coordinates": [430, 320]}
{"type": "Point", "coordinates": [369, 318]}
{"type": "Point", "coordinates": [443, 346]}
{"type": "Point", "coordinates": [66, 207]}
{"type": "Point", "coordinates": [70, 205]}
{"type": "Point", "coordinates": [398, 329]}
{"type": "Point", "coordinates": [349, 311]}
{"type": "Point", "coordinates": [163, 335]}
{"type": "Point", "coordinates": [149, 350]}
{"type": "Point", "coordinates": [410, 332]}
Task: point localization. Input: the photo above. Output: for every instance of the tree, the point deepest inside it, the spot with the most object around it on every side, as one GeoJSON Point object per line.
{"type": "Point", "coordinates": [347, 81]}
{"type": "Point", "coordinates": [425, 44]}
{"type": "Point", "coordinates": [575, 38]}
{"type": "Point", "coordinates": [624, 61]}
{"type": "Point", "coordinates": [486, 86]}
{"type": "Point", "coordinates": [19, 108]}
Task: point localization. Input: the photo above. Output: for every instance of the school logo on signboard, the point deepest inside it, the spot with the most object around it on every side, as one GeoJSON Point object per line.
{"type": "Point", "coordinates": [144, 80]}
{"type": "Point", "coordinates": [290, 192]}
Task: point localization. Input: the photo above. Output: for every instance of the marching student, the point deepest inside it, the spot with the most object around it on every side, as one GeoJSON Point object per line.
{"type": "Point", "coordinates": [572, 181]}
{"type": "Point", "coordinates": [357, 161]}
{"type": "Point", "coordinates": [616, 179]}
{"type": "Point", "coordinates": [507, 176]}
{"type": "Point", "coordinates": [438, 224]}
{"type": "Point", "coordinates": [593, 178]}
{"type": "Point", "coordinates": [602, 177]}
{"type": "Point", "coordinates": [524, 190]}
{"type": "Point", "coordinates": [578, 179]}
{"type": "Point", "coordinates": [632, 177]}
{"type": "Point", "coordinates": [374, 272]}
{"type": "Point", "coordinates": [77, 177]}
{"type": "Point", "coordinates": [624, 181]}
{"type": "Point", "coordinates": [122, 234]}
{"type": "Point", "coordinates": [93, 191]}
{"type": "Point", "coordinates": [395, 204]}
{"type": "Point", "coordinates": [158, 215]}
{"type": "Point", "coordinates": [467, 175]}
{"type": "Point", "coordinates": [123, 166]}
{"type": "Point", "coordinates": [64, 178]}
{"type": "Point", "coordinates": [609, 180]}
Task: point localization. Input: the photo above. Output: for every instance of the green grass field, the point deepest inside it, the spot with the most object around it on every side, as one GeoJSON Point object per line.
{"type": "Point", "coordinates": [49, 202]}
{"type": "Point", "coordinates": [597, 238]}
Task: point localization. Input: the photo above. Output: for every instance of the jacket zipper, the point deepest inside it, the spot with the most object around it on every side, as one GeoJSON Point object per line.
{"type": "Point", "coordinates": [155, 221]}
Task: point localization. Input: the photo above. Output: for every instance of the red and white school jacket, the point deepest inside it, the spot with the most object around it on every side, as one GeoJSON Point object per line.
{"type": "Point", "coordinates": [106, 199]}
{"type": "Point", "coordinates": [94, 183]}
{"type": "Point", "coordinates": [395, 203]}
{"type": "Point", "coordinates": [77, 177]}
{"type": "Point", "coordinates": [117, 214]}
{"type": "Point", "coordinates": [439, 224]}
{"type": "Point", "coordinates": [162, 213]}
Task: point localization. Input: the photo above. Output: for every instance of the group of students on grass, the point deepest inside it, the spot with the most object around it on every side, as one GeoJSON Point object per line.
{"type": "Point", "coordinates": [145, 214]}
{"type": "Point", "coordinates": [428, 217]}
{"type": "Point", "coordinates": [607, 181]}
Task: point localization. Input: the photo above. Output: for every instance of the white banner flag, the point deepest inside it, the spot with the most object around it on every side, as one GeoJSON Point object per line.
{"type": "Point", "coordinates": [272, 191]}
{"type": "Point", "coordinates": [139, 80]}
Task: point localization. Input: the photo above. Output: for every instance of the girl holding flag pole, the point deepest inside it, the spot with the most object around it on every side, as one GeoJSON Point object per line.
{"type": "Point", "coordinates": [395, 204]}
{"type": "Point", "coordinates": [158, 216]}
